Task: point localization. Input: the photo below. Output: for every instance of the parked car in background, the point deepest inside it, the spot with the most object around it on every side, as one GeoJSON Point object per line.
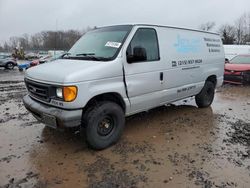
{"type": "Point", "coordinates": [23, 65]}
{"type": "Point", "coordinates": [238, 70]}
{"type": "Point", "coordinates": [42, 53]}
{"type": "Point", "coordinates": [7, 61]}
{"type": "Point", "coordinates": [31, 56]}
{"type": "Point", "coordinates": [40, 60]}
{"type": "Point", "coordinates": [45, 59]}
{"type": "Point", "coordinates": [55, 52]}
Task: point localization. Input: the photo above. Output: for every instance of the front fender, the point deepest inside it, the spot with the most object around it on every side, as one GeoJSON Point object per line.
{"type": "Point", "coordinates": [89, 89]}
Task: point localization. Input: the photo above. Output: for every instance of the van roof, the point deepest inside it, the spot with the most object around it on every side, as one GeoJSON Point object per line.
{"type": "Point", "coordinates": [173, 27]}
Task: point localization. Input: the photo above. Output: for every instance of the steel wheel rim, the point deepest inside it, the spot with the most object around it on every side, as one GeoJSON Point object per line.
{"type": "Point", "coordinates": [9, 65]}
{"type": "Point", "coordinates": [105, 126]}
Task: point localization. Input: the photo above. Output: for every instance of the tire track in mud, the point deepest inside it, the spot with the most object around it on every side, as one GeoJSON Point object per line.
{"type": "Point", "coordinates": [9, 90]}
{"type": "Point", "coordinates": [11, 82]}
{"type": "Point", "coordinates": [12, 91]}
{"type": "Point", "coordinates": [10, 86]}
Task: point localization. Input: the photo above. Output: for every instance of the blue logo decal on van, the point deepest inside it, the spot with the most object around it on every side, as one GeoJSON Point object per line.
{"type": "Point", "coordinates": [184, 45]}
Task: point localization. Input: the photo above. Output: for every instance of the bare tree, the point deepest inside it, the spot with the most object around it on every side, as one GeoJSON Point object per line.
{"type": "Point", "coordinates": [45, 40]}
{"type": "Point", "coordinates": [240, 29]}
{"type": "Point", "coordinates": [6, 47]}
{"type": "Point", "coordinates": [13, 42]}
{"type": "Point", "coordinates": [227, 33]}
{"type": "Point", "coordinates": [24, 41]}
{"type": "Point", "coordinates": [207, 26]}
{"type": "Point", "coordinates": [36, 41]}
{"type": "Point", "coordinates": [247, 36]}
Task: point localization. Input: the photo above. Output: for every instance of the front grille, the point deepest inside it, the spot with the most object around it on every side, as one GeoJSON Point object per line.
{"type": "Point", "coordinates": [38, 90]}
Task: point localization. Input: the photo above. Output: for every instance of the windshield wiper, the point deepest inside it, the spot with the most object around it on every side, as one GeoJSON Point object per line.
{"type": "Point", "coordinates": [77, 56]}
{"type": "Point", "coordinates": [92, 56]}
{"type": "Point", "coordinates": [89, 56]}
{"type": "Point", "coordinates": [65, 54]}
{"type": "Point", "coordinates": [85, 54]}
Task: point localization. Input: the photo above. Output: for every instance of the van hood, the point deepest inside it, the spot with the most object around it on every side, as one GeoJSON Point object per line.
{"type": "Point", "coordinates": [64, 71]}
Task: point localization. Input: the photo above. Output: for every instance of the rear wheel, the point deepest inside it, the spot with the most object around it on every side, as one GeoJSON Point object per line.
{"type": "Point", "coordinates": [103, 124]}
{"type": "Point", "coordinates": [206, 96]}
{"type": "Point", "coordinates": [9, 65]}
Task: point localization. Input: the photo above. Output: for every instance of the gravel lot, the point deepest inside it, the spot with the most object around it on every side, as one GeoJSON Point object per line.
{"type": "Point", "coordinates": [173, 146]}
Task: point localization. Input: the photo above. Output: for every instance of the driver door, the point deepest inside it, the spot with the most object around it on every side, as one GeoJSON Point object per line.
{"type": "Point", "coordinates": [143, 70]}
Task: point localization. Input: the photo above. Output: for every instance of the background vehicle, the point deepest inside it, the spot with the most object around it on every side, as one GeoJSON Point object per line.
{"type": "Point", "coordinates": [7, 61]}
{"type": "Point", "coordinates": [238, 70]}
{"type": "Point", "coordinates": [42, 54]}
{"type": "Point", "coordinates": [233, 50]}
{"type": "Point", "coordinates": [46, 59]}
{"type": "Point", "coordinates": [23, 65]}
{"type": "Point", "coordinates": [31, 56]}
{"type": "Point", "coordinates": [117, 71]}
{"type": "Point", "coordinates": [40, 60]}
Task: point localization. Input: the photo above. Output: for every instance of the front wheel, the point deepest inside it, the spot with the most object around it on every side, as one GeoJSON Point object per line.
{"type": "Point", "coordinates": [206, 96]}
{"type": "Point", "coordinates": [103, 124]}
{"type": "Point", "coordinates": [9, 66]}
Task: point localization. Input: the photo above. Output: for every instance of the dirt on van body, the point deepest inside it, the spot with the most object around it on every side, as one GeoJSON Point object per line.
{"type": "Point", "coordinates": [177, 145]}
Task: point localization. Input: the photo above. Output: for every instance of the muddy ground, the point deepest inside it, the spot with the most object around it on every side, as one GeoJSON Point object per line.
{"type": "Point", "coordinates": [174, 146]}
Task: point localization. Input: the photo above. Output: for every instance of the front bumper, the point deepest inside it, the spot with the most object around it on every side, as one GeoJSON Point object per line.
{"type": "Point", "coordinates": [63, 118]}
{"type": "Point", "coordinates": [242, 78]}
{"type": "Point", "coordinates": [233, 78]}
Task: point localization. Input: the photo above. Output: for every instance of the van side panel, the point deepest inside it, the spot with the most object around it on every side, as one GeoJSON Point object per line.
{"type": "Point", "coordinates": [190, 57]}
{"type": "Point", "coordinates": [187, 59]}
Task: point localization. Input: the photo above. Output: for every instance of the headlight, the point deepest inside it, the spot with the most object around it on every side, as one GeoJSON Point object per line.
{"type": "Point", "coordinates": [59, 92]}
{"type": "Point", "coordinates": [69, 93]}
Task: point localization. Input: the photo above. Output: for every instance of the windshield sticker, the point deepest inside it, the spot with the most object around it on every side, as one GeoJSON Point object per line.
{"type": "Point", "coordinates": [113, 44]}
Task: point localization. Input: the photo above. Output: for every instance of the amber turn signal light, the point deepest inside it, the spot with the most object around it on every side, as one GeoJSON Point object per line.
{"type": "Point", "coordinates": [69, 93]}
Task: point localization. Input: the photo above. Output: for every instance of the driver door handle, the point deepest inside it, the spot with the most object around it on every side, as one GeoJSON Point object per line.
{"type": "Point", "coordinates": [161, 77]}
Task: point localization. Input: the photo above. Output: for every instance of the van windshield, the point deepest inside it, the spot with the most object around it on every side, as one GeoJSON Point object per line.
{"type": "Point", "coordinates": [101, 44]}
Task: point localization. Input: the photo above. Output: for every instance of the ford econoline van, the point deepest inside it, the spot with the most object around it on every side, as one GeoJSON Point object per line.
{"type": "Point", "coordinates": [116, 71]}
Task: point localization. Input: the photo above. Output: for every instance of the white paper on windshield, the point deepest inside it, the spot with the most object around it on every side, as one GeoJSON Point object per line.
{"type": "Point", "coordinates": [113, 44]}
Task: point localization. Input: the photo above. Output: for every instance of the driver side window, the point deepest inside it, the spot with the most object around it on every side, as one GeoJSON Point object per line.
{"type": "Point", "coordinates": [144, 46]}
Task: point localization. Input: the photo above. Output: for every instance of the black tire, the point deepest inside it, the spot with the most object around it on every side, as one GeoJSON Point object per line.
{"type": "Point", "coordinates": [103, 124]}
{"type": "Point", "coordinates": [9, 66]}
{"type": "Point", "coordinates": [206, 96]}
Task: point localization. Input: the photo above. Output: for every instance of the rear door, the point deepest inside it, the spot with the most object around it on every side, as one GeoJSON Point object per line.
{"type": "Point", "coordinates": [144, 77]}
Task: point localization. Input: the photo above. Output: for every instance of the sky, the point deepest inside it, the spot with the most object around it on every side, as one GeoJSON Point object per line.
{"type": "Point", "coordinates": [18, 17]}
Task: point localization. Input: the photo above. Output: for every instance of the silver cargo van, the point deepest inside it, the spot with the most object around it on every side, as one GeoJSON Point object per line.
{"type": "Point", "coordinates": [117, 71]}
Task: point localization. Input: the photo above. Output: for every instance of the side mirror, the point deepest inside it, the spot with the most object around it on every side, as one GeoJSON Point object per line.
{"type": "Point", "coordinates": [226, 61]}
{"type": "Point", "coordinates": [139, 54]}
